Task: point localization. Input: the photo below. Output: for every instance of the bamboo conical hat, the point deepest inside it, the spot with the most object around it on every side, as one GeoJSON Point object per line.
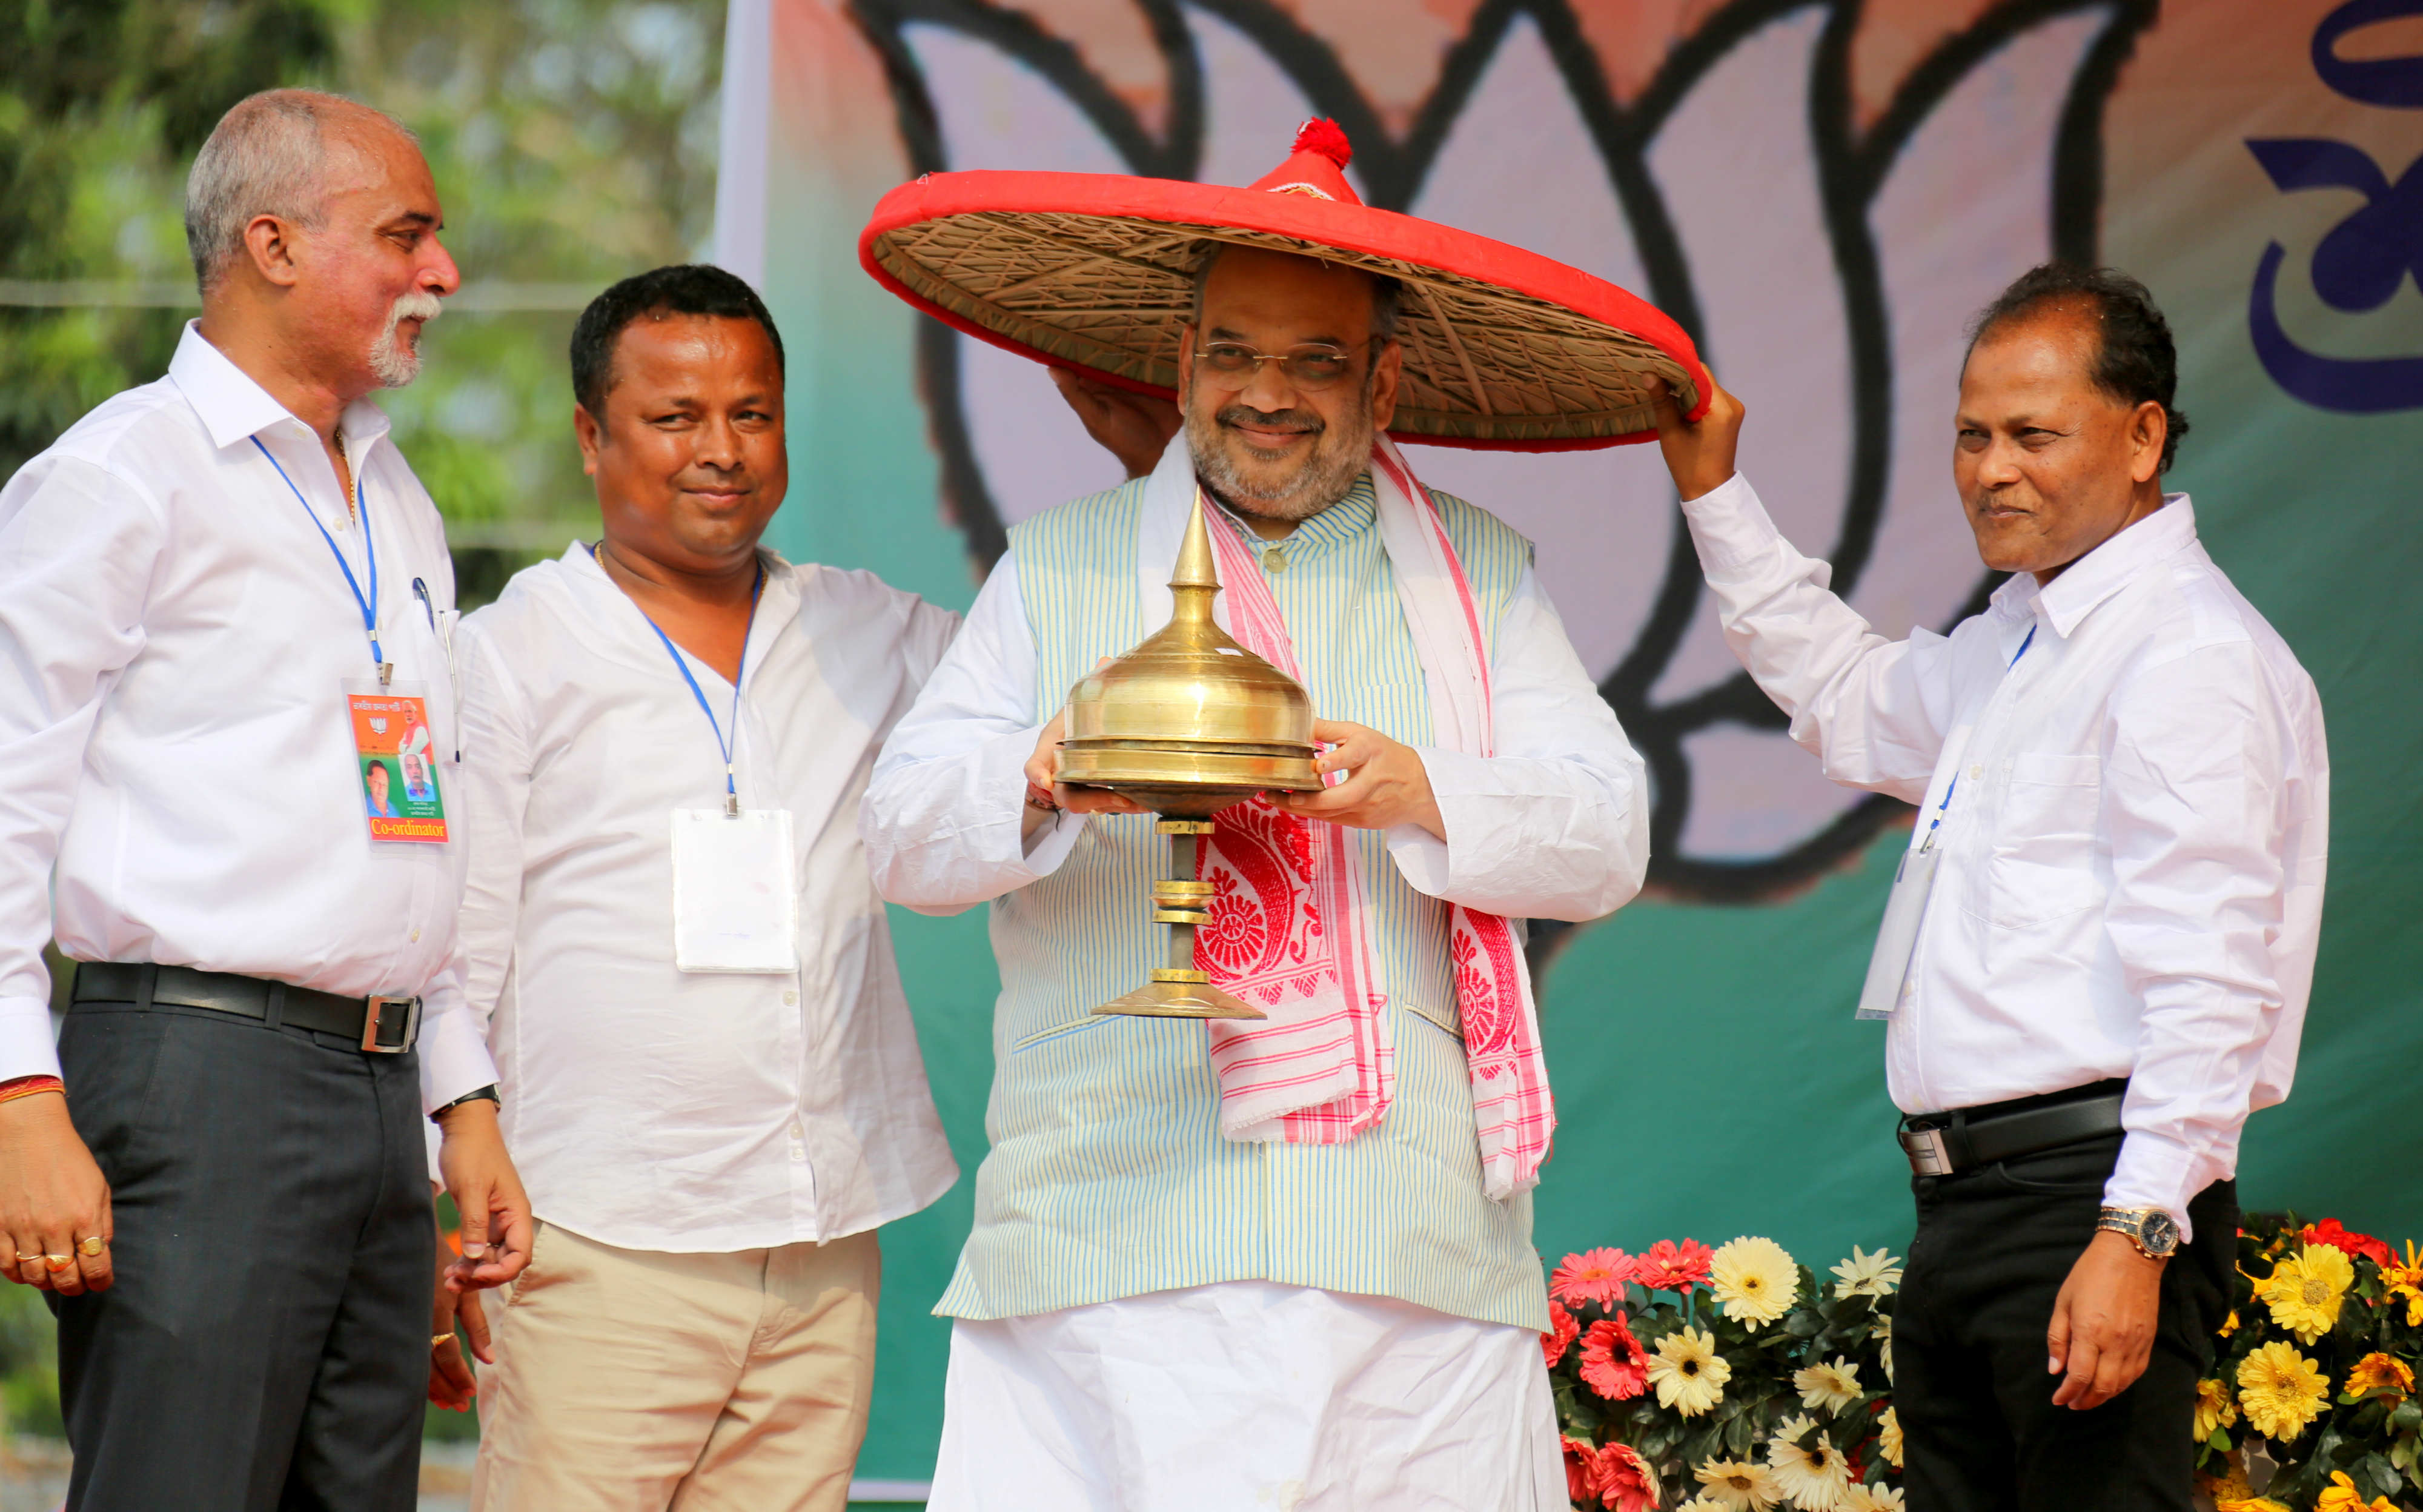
{"type": "Point", "coordinates": [1503, 348]}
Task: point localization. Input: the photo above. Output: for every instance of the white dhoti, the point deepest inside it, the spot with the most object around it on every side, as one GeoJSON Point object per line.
{"type": "Point", "coordinates": [1247, 1395]}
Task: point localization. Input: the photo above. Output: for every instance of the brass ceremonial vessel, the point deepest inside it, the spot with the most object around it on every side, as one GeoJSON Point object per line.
{"type": "Point", "coordinates": [1185, 725]}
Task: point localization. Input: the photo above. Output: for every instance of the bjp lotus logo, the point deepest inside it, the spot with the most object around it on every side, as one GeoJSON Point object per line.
{"type": "Point", "coordinates": [1822, 194]}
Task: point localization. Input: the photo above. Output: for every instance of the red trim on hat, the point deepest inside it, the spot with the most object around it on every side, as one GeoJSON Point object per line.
{"type": "Point", "coordinates": [1343, 223]}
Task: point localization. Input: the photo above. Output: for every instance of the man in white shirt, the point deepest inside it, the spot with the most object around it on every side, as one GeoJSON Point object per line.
{"type": "Point", "coordinates": [2097, 958]}
{"type": "Point", "coordinates": [709, 1072]}
{"type": "Point", "coordinates": [223, 599]}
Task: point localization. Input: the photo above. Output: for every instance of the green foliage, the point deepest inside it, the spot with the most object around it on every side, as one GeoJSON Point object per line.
{"type": "Point", "coordinates": [573, 142]}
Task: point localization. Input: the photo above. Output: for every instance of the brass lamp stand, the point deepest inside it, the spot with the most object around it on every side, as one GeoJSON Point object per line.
{"type": "Point", "coordinates": [1187, 723]}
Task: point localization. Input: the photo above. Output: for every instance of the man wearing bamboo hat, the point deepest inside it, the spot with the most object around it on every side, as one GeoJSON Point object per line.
{"type": "Point", "coordinates": [1284, 1261]}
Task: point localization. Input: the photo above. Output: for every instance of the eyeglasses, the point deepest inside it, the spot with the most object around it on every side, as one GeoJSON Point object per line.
{"type": "Point", "coordinates": [1310, 367]}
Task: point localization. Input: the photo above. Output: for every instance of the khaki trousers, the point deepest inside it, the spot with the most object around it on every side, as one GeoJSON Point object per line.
{"type": "Point", "coordinates": [628, 1380]}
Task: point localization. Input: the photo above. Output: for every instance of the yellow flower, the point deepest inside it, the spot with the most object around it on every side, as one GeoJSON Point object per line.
{"type": "Point", "coordinates": [1889, 1437]}
{"type": "Point", "coordinates": [2250, 1503]}
{"type": "Point", "coordinates": [2305, 1290]}
{"type": "Point", "coordinates": [2342, 1496]}
{"type": "Point", "coordinates": [2213, 1408]}
{"type": "Point", "coordinates": [1688, 1372]}
{"type": "Point", "coordinates": [2377, 1371]}
{"type": "Point", "coordinates": [1754, 1278]}
{"type": "Point", "coordinates": [2405, 1280]}
{"type": "Point", "coordinates": [2231, 1326]}
{"type": "Point", "coordinates": [1814, 1475]}
{"type": "Point", "coordinates": [2280, 1389]}
{"type": "Point", "coordinates": [1881, 1330]}
{"type": "Point", "coordinates": [1743, 1485]}
{"type": "Point", "coordinates": [1832, 1386]}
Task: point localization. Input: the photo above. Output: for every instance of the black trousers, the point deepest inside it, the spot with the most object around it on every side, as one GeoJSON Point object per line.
{"type": "Point", "coordinates": [1969, 1386]}
{"type": "Point", "coordinates": [265, 1347]}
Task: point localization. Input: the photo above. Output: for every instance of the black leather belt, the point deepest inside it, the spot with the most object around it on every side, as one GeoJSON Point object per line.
{"type": "Point", "coordinates": [381, 1025]}
{"type": "Point", "coordinates": [1946, 1144]}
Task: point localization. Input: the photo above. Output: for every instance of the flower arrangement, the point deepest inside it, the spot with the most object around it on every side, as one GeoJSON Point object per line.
{"type": "Point", "coordinates": [2315, 1373]}
{"type": "Point", "coordinates": [1715, 1380]}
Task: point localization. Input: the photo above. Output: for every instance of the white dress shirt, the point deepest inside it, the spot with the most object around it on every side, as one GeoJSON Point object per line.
{"type": "Point", "coordinates": [1554, 825]}
{"type": "Point", "coordinates": [649, 1108]}
{"type": "Point", "coordinates": [175, 637]}
{"type": "Point", "coordinates": [2134, 837]}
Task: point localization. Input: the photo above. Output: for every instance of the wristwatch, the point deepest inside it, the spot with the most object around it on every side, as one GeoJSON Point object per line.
{"type": "Point", "coordinates": [2154, 1233]}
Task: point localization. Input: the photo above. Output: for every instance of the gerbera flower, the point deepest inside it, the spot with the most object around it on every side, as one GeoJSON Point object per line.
{"type": "Point", "coordinates": [1581, 1470]}
{"type": "Point", "coordinates": [1668, 1266]}
{"type": "Point", "coordinates": [1888, 1435]}
{"type": "Point", "coordinates": [2250, 1503]}
{"type": "Point", "coordinates": [1742, 1485]}
{"type": "Point", "coordinates": [2214, 1408]}
{"type": "Point", "coordinates": [1814, 1475]}
{"type": "Point", "coordinates": [1688, 1372]}
{"type": "Point", "coordinates": [2340, 1495]}
{"type": "Point", "coordinates": [1560, 1337]}
{"type": "Point", "coordinates": [2377, 1371]}
{"type": "Point", "coordinates": [1613, 1363]}
{"type": "Point", "coordinates": [2331, 1232]}
{"type": "Point", "coordinates": [2405, 1280]}
{"type": "Point", "coordinates": [2280, 1389]}
{"type": "Point", "coordinates": [1625, 1482]}
{"type": "Point", "coordinates": [1754, 1278]}
{"type": "Point", "coordinates": [2306, 1289]}
{"type": "Point", "coordinates": [1592, 1276]}
{"type": "Point", "coordinates": [1882, 1332]}
{"type": "Point", "coordinates": [1832, 1385]}
{"type": "Point", "coordinates": [1866, 1275]}
{"type": "Point", "coordinates": [1884, 1498]}
{"type": "Point", "coordinates": [1701, 1503]}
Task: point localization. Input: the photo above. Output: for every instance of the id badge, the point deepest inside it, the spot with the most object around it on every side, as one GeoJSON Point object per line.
{"type": "Point", "coordinates": [395, 762]}
{"type": "Point", "coordinates": [735, 905]}
{"type": "Point", "coordinates": [1897, 937]}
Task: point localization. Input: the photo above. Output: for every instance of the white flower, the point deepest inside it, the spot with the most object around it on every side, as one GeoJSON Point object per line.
{"type": "Point", "coordinates": [1755, 1279]}
{"type": "Point", "coordinates": [1867, 1274]}
{"type": "Point", "coordinates": [1815, 1475]}
{"type": "Point", "coordinates": [1883, 1335]}
{"type": "Point", "coordinates": [1739, 1485]}
{"type": "Point", "coordinates": [1857, 1498]}
{"type": "Point", "coordinates": [1688, 1372]}
{"type": "Point", "coordinates": [1830, 1385]}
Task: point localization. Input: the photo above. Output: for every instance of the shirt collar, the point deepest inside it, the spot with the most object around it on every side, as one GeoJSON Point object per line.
{"type": "Point", "coordinates": [778, 602]}
{"type": "Point", "coordinates": [1341, 522]}
{"type": "Point", "coordinates": [233, 407]}
{"type": "Point", "coordinates": [2102, 572]}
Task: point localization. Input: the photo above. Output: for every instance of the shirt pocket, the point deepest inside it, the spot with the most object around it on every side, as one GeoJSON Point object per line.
{"type": "Point", "coordinates": [2042, 867]}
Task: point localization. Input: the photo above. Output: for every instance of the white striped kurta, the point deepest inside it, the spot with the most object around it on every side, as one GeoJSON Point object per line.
{"type": "Point", "coordinates": [1107, 1176]}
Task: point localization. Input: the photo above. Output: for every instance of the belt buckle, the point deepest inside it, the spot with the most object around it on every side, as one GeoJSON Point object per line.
{"type": "Point", "coordinates": [375, 1017]}
{"type": "Point", "coordinates": [1928, 1154]}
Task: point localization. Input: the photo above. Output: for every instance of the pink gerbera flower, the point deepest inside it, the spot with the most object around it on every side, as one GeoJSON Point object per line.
{"type": "Point", "coordinates": [1671, 1267]}
{"type": "Point", "coordinates": [1613, 1363]}
{"type": "Point", "coordinates": [1624, 1482]}
{"type": "Point", "coordinates": [1592, 1276]}
{"type": "Point", "coordinates": [1581, 1470]}
{"type": "Point", "coordinates": [1560, 1337]}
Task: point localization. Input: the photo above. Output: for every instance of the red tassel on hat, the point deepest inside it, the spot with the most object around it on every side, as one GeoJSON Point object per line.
{"type": "Point", "coordinates": [1323, 135]}
{"type": "Point", "coordinates": [1312, 167]}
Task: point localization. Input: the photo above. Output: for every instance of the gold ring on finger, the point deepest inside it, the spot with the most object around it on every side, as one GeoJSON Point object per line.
{"type": "Point", "coordinates": [91, 1245]}
{"type": "Point", "coordinates": [27, 1260]}
{"type": "Point", "coordinates": [437, 1340]}
{"type": "Point", "coordinates": [58, 1263]}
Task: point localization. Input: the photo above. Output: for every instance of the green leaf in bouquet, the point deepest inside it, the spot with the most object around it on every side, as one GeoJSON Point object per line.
{"type": "Point", "coordinates": [2374, 1476]}
{"type": "Point", "coordinates": [2219, 1444]}
{"type": "Point", "coordinates": [1738, 1435]}
{"type": "Point", "coordinates": [2409, 1416]}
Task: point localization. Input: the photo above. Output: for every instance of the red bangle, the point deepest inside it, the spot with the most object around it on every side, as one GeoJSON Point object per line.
{"type": "Point", "coordinates": [17, 1086]}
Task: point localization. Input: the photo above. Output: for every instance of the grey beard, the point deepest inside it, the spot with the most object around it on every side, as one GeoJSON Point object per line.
{"type": "Point", "coordinates": [1327, 476]}
{"type": "Point", "coordinates": [395, 361]}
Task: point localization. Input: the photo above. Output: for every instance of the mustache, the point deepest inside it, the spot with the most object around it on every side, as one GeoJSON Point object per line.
{"type": "Point", "coordinates": [419, 305]}
{"type": "Point", "coordinates": [1300, 420]}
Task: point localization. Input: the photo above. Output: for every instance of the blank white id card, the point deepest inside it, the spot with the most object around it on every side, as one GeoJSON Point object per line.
{"type": "Point", "coordinates": [1898, 936]}
{"type": "Point", "coordinates": [735, 906]}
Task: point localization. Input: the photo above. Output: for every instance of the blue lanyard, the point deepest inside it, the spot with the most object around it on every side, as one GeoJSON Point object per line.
{"type": "Point", "coordinates": [1954, 787]}
{"type": "Point", "coordinates": [361, 507]}
{"type": "Point", "coordinates": [722, 743]}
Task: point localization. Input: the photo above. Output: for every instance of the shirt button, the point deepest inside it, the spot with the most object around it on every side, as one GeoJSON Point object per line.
{"type": "Point", "coordinates": [416, 936]}
{"type": "Point", "coordinates": [1274, 559]}
{"type": "Point", "coordinates": [789, 998]}
{"type": "Point", "coordinates": [1976, 772]}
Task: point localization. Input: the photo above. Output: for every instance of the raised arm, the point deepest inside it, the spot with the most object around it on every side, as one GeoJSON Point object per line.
{"type": "Point", "coordinates": [1874, 712]}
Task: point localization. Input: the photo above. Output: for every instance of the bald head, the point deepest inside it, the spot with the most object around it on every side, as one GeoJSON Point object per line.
{"type": "Point", "coordinates": [276, 153]}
